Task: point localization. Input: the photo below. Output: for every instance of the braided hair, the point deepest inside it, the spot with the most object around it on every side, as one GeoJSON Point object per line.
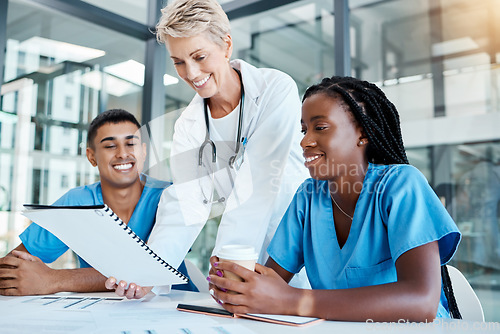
{"type": "Point", "coordinates": [450, 295]}
{"type": "Point", "coordinates": [373, 111]}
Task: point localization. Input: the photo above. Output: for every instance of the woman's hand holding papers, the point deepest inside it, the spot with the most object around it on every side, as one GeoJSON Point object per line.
{"type": "Point", "coordinates": [262, 291]}
{"type": "Point", "coordinates": [134, 291]}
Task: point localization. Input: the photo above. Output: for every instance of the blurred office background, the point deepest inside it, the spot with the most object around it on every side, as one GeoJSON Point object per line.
{"type": "Point", "coordinates": [437, 60]}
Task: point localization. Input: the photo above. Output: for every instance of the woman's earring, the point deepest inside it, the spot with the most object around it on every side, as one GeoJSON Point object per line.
{"type": "Point", "coordinates": [361, 143]}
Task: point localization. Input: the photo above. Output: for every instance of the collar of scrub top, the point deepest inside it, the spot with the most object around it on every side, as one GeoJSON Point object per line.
{"type": "Point", "coordinates": [232, 160]}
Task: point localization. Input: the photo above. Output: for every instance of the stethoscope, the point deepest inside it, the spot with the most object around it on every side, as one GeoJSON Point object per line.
{"type": "Point", "coordinates": [234, 161]}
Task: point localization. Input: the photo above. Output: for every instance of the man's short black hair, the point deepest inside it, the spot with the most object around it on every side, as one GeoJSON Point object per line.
{"type": "Point", "coordinates": [109, 116]}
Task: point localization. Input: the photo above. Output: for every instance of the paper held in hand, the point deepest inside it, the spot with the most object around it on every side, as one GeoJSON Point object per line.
{"type": "Point", "coordinates": [99, 237]}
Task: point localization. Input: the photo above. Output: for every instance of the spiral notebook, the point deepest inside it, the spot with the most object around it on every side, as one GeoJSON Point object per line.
{"type": "Point", "coordinates": [105, 242]}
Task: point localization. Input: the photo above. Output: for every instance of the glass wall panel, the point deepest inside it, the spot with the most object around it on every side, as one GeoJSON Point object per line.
{"type": "Point", "coordinates": [296, 39]}
{"type": "Point", "coordinates": [60, 72]}
{"type": "Point", "coordinates": [438, 62]}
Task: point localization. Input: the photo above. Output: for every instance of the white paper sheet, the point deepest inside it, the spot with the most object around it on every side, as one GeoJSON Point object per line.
{"type": "Point", "coordinates": [153, 316]}
{"type": "Point", "coordinates": [48, 321]}
{"type": "Point", "coordinates": [105, 245]}
{"type": "Point", "coordinates": [192, 329]}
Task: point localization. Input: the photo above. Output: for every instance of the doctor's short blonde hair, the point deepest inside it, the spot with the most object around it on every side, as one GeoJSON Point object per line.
{"type": "Point", "coordinates": [189, 18]}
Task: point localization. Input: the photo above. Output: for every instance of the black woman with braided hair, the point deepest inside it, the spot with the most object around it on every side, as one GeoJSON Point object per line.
{"type": "Point", "coordinates": [367, 226]}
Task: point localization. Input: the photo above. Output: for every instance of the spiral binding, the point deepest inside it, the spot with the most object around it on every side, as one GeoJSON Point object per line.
{"type": "Point", "coordinates": [134, 236]}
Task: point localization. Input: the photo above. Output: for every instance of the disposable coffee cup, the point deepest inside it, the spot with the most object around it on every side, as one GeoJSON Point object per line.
{"type": "Point", "coordinates": [243, 255]}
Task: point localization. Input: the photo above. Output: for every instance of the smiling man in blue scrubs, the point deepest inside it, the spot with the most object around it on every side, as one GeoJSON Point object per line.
{"type": "Point", "coordinates": [115, 147]}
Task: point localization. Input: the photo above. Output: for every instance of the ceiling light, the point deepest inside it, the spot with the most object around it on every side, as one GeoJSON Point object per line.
{"type": "Point", "coordinates": [169, 80]}
{"type": "Point", "coordinates": [129, 70]}
{"type": "Point", "coordinates": [59, 51]}
{"type": "Point", "coordinates": [92, 80]}
{"type": "Point", "coordinates": [113, 85]}
{"type": "Point", "coordinates": [133, 72]}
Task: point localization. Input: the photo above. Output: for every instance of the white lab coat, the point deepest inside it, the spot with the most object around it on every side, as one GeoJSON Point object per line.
{"type": "Point", "coordinates": [264, 185]}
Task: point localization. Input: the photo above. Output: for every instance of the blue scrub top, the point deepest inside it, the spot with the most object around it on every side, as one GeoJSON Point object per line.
{"type": "Point", "coordinates": [46, 246]}
{"type": "Point", "coordinates": [396, 211]}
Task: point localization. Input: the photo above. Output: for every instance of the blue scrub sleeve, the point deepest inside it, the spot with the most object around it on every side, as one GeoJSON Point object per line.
{"type": "Point", "coordinates": [414, 214]}
{"type": "Point", "coordinates": [286, 247]}
{"type": "Point", "coordinates": [42, 244]}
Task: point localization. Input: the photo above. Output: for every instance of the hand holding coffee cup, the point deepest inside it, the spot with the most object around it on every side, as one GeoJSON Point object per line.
{"type": "Point", "coordinates": [242, 255]}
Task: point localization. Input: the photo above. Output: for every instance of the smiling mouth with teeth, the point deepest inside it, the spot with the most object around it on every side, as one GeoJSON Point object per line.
{"type": "Point", "coordinates": [123, 166]}
{"type": "Point", "coordinates": [201, 82]}
{"type": "Point", "coordinates": [309, 159]}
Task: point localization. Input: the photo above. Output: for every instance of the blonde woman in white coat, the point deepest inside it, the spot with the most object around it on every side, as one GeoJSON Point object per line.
{"type": "Point", "coordinates": [252, 117]}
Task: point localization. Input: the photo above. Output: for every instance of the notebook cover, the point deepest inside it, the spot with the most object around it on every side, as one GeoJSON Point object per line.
{"type": "Point", "coordinates": [271, 318]}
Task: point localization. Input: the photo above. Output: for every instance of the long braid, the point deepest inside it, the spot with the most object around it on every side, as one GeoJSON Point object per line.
{"type": "Point", "coordinates": [373, 111]}
{"type": "Point", "coordinates": [450, 296]}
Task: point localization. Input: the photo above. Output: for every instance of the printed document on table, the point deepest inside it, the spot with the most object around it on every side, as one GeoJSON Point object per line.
{"type": "Point", "coordinates": [191, 329]}
{"type": "Point", "coordinates": [150, 315]}
{"type": "Point", "coordinates": [49, 321]}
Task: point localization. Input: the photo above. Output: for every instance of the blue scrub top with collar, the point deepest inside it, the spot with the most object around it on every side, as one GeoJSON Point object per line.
{"type": "Point", "coordinates": [396, 211]}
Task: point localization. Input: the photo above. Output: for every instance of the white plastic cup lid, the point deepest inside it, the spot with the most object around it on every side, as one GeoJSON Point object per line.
{"type": "Point", "coordinates": [238, 252]}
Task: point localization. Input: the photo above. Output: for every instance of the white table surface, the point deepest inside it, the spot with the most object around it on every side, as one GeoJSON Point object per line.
{"type": "Point", "coordinates": [169, 302]}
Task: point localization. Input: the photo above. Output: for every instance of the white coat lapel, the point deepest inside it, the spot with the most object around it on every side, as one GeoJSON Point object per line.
{"type": "Point", "coordinates": [194, 121]}
{"type": "Point", "coordinates": [254, 85]}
